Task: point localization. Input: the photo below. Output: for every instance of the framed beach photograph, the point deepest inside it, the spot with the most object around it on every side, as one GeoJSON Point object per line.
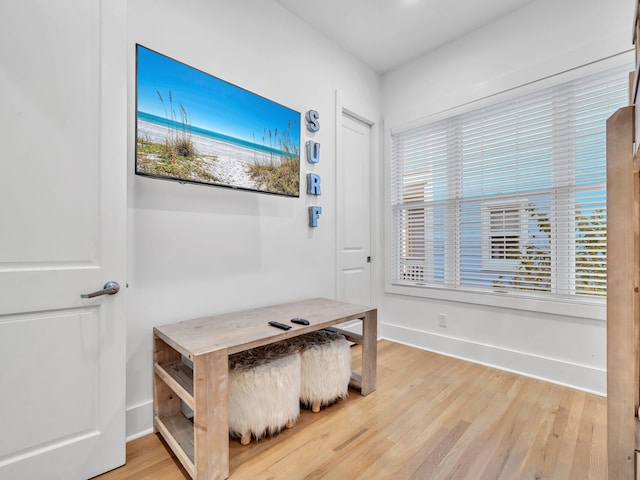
{"type": "Point", "coordinates": [193, 127]}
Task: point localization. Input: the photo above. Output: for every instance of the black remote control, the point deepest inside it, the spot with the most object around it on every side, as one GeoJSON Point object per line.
{"type": "Point", "coordinates": [300, 321]}
{"type": "Point", "coordinates": [280, 325]}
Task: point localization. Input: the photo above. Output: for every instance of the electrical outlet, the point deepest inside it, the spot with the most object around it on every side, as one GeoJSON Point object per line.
{"type": "Point", "coordinates": [442, 320]}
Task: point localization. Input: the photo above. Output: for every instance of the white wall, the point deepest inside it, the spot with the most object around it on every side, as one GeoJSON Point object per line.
{"type": "Point", "coordinates": [541, 40]}
{"type": "Point", "coordinates": [197, 250]}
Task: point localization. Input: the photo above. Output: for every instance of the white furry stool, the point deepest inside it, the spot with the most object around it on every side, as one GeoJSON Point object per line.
{"type": "Point", "coordinates": [325, 368]}
{"type": "Point", "coordinates": [264, 391]}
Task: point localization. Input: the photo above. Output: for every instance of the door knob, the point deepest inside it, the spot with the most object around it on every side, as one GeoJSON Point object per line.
{"type": "Point", "coordinates": [110, 288]}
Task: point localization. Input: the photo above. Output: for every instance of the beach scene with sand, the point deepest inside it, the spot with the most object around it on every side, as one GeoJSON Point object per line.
{"type": "Point", "coordinates": [194, 127]}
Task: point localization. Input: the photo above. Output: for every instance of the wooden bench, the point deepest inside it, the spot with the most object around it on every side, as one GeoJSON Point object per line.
{"type": "Point", "coordinates": [202, 446]}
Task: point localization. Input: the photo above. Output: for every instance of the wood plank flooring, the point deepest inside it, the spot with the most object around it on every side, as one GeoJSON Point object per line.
{"type": "Point", "coordinates": [432, 417]}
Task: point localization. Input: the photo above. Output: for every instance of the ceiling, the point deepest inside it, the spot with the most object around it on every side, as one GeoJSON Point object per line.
{"type": "Point", "coordinates": [385, 34]}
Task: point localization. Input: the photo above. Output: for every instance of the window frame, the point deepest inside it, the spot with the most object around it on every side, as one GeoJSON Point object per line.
{"type": "Point", "coordinates": [497, 264]}
{"type": "Point", "coordinates": [583, 307]}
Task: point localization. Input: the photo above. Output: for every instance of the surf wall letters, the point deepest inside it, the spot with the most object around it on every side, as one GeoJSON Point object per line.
{"type": "Point", "coordinates": [313, 156]}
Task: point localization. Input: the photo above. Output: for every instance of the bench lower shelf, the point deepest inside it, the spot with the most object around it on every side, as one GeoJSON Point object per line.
{"type": "Point", "coordinates": [177, 430]}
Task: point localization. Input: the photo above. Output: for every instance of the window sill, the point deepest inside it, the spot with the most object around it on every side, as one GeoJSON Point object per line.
{"type": "Point", "coordinates": [593, 309]}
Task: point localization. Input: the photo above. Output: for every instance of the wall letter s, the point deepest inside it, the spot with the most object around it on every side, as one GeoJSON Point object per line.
{"type": "Point", "coordinates": [313, 125]}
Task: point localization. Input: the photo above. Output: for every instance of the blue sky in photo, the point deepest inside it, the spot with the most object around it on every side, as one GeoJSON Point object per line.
{"type": "Point", "coordinates": [211, 104]}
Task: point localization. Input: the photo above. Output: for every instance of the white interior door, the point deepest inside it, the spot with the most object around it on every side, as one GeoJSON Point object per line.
{"type": "Point", "coordinates": [353, 210]}
{"type": "Point", "coordinates": [63, 217]}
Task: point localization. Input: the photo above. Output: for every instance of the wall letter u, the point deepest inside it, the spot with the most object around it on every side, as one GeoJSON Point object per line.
{"type": "Point", "coordinates": [313, 152]}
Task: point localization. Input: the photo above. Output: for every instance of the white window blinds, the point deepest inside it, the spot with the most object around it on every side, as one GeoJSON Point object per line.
{"type": "Point", "coordinates": [509, 198]}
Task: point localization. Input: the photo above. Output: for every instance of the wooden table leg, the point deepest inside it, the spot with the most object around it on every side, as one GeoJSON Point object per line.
{"type": "Point", "coordinates": [211, 417]}
{"type": "Point", "coordinates": [369, 351]}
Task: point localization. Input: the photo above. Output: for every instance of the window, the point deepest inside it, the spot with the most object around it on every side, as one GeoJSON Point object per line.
{"type": "Point", "coordinates": [508, 199]}
{"type": "Point", "coordinates": [504, 234]}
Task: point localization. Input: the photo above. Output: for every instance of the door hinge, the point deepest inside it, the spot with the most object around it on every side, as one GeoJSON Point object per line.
{"type": "Point", "coordinates": [368, 259]}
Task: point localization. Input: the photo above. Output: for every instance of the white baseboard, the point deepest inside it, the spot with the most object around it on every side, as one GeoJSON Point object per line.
{"type": "Point", "coordinates": [139, 420]}
{"type": "Point", "coordinates": [581, 377]}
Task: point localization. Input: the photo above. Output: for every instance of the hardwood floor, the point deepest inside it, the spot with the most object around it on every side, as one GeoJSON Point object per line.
{"type": "Point", "coordinates": [431, 417]}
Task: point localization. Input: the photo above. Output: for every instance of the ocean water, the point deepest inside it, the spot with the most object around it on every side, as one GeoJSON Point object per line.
{"type": "Point", "coordinates": [164, 122]}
